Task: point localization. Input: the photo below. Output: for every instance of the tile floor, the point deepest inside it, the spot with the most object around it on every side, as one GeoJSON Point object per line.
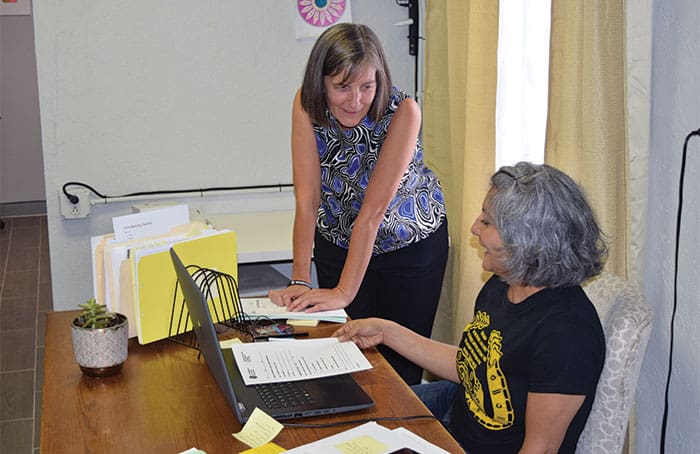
{"type": "Point", "coordinates": [25, 297]}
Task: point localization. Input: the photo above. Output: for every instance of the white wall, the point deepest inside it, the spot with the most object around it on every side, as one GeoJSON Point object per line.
{"type": "Point", "coordinates": [675, 111]}
{"type": "Point", "coordinates": [167, 94]}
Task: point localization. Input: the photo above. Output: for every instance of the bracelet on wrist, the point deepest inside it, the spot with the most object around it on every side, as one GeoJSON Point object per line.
{"type": "Point", "coordinates": [299, 282]}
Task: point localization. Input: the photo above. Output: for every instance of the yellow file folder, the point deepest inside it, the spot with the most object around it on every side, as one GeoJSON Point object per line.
{"type": "Point", "coordinates": [155, 279]}
{"type": "Point", "coordinates": [109, 255]}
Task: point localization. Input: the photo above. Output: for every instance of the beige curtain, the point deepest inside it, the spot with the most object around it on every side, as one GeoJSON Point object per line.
{"type": "Point", "coordinates": [586, 131]}
{"type": "Point", "coordinates": [598, 119]}
{"type": "Point", "coordinates": [586, 128]}
{"type": "Point", "coordinates": [458, 133]}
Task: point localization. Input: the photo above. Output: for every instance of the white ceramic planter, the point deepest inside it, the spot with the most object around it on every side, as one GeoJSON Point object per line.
{"type": "Point", "coordinates": [101, 352]}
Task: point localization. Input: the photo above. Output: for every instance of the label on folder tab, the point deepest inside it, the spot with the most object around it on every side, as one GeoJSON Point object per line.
{"type": "Point", "coordinates": [149, 223]}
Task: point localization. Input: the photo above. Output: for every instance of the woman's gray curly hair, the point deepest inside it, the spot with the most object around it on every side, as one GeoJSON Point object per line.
{"type": "Point", "coordinates": [548, 228]}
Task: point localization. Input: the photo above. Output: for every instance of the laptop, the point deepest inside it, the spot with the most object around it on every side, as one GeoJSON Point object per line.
{"type": "Point", "coordinates": [286, 400]}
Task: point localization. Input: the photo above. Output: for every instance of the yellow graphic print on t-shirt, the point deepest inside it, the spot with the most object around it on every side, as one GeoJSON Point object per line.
{"type": "Point", "coordinates": [481, 345]}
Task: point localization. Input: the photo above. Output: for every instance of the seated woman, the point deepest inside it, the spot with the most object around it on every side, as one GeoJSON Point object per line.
{"type": "Point", "coordinates": [525, 373]}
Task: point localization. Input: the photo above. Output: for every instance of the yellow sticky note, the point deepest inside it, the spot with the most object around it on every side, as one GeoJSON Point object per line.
{"type": "Point", "coordinates": [362, 445]}
{"type": "Point", "coordinates": [302, 322]}
{"type": "Point", "coordinates": [269, 448]}
{"type": "Point", "coordinates": [260, 429]}
{"type": "Point", "coordinates": [229, 342]}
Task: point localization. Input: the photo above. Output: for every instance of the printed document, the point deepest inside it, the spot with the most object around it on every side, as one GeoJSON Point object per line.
{"type": "Point", "coordinates": [270, 362]}
{"type": "Point", "coordinates": [264, 307]}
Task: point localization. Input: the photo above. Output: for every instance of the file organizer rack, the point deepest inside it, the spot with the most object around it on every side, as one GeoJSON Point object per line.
{"type": "Point", "coordinates": [221, 292]}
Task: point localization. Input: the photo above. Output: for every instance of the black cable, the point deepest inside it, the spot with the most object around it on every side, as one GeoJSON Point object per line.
{"type": "Point", "coordinates": [413, 38]}
{"type": "Point", "coordinates": [664, 419]}
{"type": "Point", "coordinates": [414, 13]}
{"type": "Point", "coordinates": [74, 199]}
{"type": "Point", "coordinates": [356, 421]}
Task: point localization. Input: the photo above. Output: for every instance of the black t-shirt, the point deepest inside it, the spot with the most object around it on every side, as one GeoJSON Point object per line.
{"type": "Point", "coordinates": [552, 342]}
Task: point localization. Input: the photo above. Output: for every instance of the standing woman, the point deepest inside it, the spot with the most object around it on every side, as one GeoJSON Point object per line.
{"type": "Point", "coordinates": [373, 213]}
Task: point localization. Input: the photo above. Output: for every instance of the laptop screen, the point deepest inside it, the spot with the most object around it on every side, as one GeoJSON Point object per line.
{"type": "Point", "coordinates": [205, 332]}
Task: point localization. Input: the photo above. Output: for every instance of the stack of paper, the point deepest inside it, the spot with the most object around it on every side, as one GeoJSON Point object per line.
{"type": "Point", "coordinates": [133, 273]}
{"type": "Point", "coordinates": [264, 308]}
{"type": "Point", "coordinates": [370, 437]}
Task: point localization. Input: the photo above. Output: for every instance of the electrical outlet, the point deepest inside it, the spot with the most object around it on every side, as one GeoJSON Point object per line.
{"type": "Point", "coordinates": [78, 210]}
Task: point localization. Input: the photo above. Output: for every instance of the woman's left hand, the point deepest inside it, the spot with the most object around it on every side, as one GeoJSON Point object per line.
{"type": "Point", "coordinates": [320, 299]}
{"type": "Point", "coordinates": [286, 295]}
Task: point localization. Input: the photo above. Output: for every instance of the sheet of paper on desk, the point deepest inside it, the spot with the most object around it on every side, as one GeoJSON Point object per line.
{"type": "Point", "coordinates": [370, 437]}
{"type": "Point", "coordinates": [270, 362]}
{"type": "Point", "coordinates": [263, 307]}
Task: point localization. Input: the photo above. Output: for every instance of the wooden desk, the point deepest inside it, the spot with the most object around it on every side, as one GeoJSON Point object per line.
{"type": "Point", "coordinates": [165, 400]}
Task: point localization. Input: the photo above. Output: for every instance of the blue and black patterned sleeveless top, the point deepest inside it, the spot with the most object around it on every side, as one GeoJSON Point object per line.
{"type": "Point", "coordinates": [348, 157]}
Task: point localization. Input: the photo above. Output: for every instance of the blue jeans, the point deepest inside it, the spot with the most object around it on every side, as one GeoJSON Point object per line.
{"type": "Point", "coordinates": [437, 396]}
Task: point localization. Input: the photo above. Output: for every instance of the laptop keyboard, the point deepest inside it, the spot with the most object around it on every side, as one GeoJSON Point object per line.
{"type": "Point", "coordinates": [283, 395]}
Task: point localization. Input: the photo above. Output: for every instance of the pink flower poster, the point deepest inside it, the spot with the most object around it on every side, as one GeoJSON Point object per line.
{"type": "Point", "coordinates": [314, 16]}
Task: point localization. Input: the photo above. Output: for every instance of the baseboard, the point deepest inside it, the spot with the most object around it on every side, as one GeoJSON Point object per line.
{"type": "Point", "coordinates": [30, 208]}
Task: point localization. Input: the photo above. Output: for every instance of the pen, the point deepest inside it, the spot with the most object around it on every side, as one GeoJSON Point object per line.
{"type": "Point", "coordinates": [278, 336]}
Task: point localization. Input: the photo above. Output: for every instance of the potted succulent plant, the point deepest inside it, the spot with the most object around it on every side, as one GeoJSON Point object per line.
{"type": "Point", "coordinates": [100, 339]}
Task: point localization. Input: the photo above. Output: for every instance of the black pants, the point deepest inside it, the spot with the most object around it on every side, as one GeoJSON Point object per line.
{"type": "Point", "coordinates": [402, 285]}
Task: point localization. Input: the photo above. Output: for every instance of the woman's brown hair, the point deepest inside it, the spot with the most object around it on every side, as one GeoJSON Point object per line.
{"type": "Point", "coordinates": [344, 47]}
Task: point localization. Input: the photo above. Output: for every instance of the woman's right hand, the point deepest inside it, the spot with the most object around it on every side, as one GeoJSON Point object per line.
{"type": "Point", "coordinates": [285, 296]}
{"type": "Point", "coordinates": [364, 332]}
